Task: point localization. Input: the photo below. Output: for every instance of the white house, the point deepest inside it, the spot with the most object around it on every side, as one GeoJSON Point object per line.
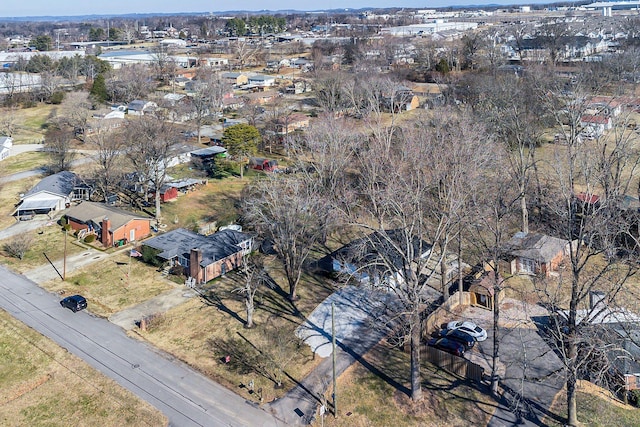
{"type": "Point", "coordinates": [262, 80]}
{"type": "Point", "coordinates": [53, 193]}
{"type": "Point", "coordinates": [139, 107]}
{"type": "Point", "coordinates": [6, 143]}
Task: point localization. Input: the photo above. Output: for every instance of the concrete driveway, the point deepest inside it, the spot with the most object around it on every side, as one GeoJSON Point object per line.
{"type": "Point", "coordinates": [162, 303]}
{"type": "Point", "coordinates": [531, 374]}
{"type": "Point", "coordinates": [46, 272]}
{"type": "Point", "coordinates": [360, 317]}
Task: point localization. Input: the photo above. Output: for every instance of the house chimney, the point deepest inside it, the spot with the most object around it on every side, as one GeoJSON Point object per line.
{"type": "Point", "coordinates": [195, 258]}
{"type": "Point", "coordinates": [597, 300]}
{"type": "Point", "coordinates": [104, 238]}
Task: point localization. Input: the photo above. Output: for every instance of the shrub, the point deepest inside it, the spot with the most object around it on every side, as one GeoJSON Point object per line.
{"type": "Point", "coordinates": [149, 255]}
{"type": "Point", "coordinates": [56, 98]}
{"type": "Point", "coordinates": [634, 397]}
{"type": "Point", "coordinates": [90, 238]}
{"type": "Point", "coordinates": [18, 246]}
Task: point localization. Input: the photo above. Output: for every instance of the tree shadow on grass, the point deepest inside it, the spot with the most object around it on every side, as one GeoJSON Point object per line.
{"type": "Point", "coordinates": [212, 299]}
{"type": "Point", "coordinates": [277, 301]}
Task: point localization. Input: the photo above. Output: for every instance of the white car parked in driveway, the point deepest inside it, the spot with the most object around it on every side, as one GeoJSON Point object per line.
{"type": "Point", "coordinates": [469, 328]}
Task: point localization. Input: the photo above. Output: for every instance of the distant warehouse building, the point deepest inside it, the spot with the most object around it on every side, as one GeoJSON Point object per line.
{"type": "Point", "coordinates": [429, 28]}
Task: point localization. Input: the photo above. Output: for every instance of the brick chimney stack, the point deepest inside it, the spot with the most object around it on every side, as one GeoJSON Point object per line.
{"type": "Point", "coordinates": [195, 258]}
{"type": "Point", "coordinates": [105, 237]}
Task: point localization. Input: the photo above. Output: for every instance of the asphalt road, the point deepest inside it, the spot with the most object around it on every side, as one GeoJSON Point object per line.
{"type": "Point", "coordinates": [186, 397]}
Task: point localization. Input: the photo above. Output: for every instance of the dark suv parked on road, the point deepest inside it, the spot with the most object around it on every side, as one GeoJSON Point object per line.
{"type": "Point", "coordinates": [74, 303]}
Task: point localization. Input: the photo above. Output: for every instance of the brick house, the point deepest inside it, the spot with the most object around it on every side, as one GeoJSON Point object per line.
{"type": "Point", "coordinates": [533, 254]}
{"type": "Point", "coordinates": [203, 257]}
{"type": "Point", "coordinates": [109, 224]}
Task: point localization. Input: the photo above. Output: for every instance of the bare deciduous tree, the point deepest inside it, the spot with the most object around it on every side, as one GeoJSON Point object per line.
{"type": "Point", "coordinates": [58, 144]}
{"type": "Point", "coordinates": [148, 141]}
{"type": "Point", "coordinates": [75, 111]}
{"type": "Point", "coordinates": [285, 209]}
{"type": "Point", "coordinates": [254, 277]}
{"type": "Point", "coordinates": [407, 209]}
{"type": "Point", "coordinates": [8, 121]}
{"type": "Point", "coordinates": [206, 98]}
{"type": "Point", "coordinates": [602, 170]}
{"type": "Point", "coordinates": [109, 146]}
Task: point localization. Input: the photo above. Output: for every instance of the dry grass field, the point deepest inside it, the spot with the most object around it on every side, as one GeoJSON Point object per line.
{"type": "Point", "coordinates": [204, 330]}
{"type": "Point", "coordinates": [596, 408]}
{"type": "Point", "coordinates": [41, 384]}
{"type": "Point", "coordinates": [47, 239]}
{"type": "Point", "coordinates": [10, 196]}
{"type": "Point", "coordinates": [30, 122]}
{"type": "Point", "coordinates": [23, 162]}
{"type": "Point", "coordinates": [113, 284]}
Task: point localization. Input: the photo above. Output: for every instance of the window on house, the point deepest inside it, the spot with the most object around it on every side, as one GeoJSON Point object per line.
{"type": "Point", "coordinates": [183, 261]}
{"type": "Point", "coordinates": [527, 265]}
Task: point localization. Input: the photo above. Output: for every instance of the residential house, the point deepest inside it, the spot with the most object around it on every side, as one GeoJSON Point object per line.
{"type": "Point", "coordinates": [236, 79]}
{"type": "Point", "coordinates": [262, 164]}
{"type": "Point", "coordinates": [262, 80]}
{"type": "Point", "coordinates": [112, 226]}
{"type": "Point", "coordinates": [614, 339]}
{"type": "Point", "coordinates": [203, 258]}
{"type": "Point", "coordinates": [534, 254]}
{"type": "Point", "coordinates": [6, 142]}
{"type": "Point", "coordinates": [53, 193]}
{"type": "Point", "coordinates": [595, 125]}
{"type": "Point", "coordinates": [106, 121]}
{"type": "Point", "coordinates": [378, 259]}
{"type": "Point", "coordinates": [606, 105]}
{"type": "Point", "coordinates": [217, 63]}
{"type": "Point", "coordinates": [139, 107]}
{"type": "Point", "coordinates": [288, 124]}
{"type": "Point", "coordinates": [261, 97]}
{"type": "Point", "coordinates": [298, 87]}
{"type": "Point", "coordinates": [400, 99]}
{"type": "Point", "coordinates": [232, 103]}
{"type": "Point", "coordinates": [177, 107]}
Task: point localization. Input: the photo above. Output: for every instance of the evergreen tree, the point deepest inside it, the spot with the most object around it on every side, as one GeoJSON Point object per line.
{"type": "Point", "coordinates": [99, 89]}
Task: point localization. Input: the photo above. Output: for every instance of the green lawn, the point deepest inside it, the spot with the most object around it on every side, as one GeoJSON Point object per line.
{"type": "Point", "coordinates": [24, 162]}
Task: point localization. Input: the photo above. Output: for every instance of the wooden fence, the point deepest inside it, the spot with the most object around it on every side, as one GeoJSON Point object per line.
{"type": "Point", "coordinates": [449, 362]}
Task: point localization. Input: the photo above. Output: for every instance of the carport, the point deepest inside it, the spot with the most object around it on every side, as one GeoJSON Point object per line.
{"type": "Point", "coordinates": [36, 206]}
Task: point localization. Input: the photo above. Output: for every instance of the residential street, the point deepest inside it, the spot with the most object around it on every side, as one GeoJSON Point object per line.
{"type": "Point", "coordinates": [186, 397]}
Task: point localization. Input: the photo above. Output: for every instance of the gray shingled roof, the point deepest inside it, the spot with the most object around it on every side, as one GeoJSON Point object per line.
{"type": "Point", "coordinates": [61, 183]}
{"type": "Point", "coordinates": [538, 247]}
{"type": "Point", "coordinates": [215, 247]}
{"type": "Point", "coordinates": [382, 249]}
{"type": "Point", "coordinates": [96, 212]}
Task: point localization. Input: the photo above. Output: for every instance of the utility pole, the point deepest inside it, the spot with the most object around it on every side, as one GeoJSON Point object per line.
{"type": "Point", "coordinates": [64, 259]}
{"type": "Point", "coordinates": [333, 356]}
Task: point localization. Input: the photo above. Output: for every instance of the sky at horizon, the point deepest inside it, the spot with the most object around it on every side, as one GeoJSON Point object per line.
{"type": "Point", "coordinates": [119, 7]}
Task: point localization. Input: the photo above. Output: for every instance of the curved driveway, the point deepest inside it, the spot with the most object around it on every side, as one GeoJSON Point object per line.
{"type": "Point", "coordinates": [185, 396]}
